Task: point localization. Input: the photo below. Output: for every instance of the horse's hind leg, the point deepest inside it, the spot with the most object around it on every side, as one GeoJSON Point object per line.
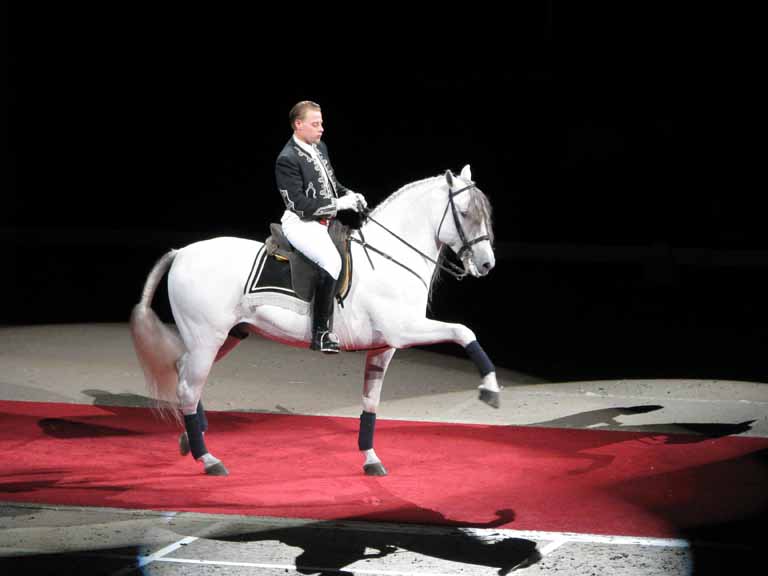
{"type": "Point", "coordinates": [184, 438]}
{"type": "Point", "coordinates": [376, 364]}
{"type": "Point", "coordinates": [194, 367]}
{"type": "Point", "coordinates": [236, 335]}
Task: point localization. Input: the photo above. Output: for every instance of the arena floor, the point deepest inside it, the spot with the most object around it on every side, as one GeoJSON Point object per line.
{"type": "Point", "coordinates": [94, 364]}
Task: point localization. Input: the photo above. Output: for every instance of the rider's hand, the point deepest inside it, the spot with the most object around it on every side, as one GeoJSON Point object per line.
{"type": "Point", "coordinates": [348, 202]}
{"type": "Point", "coordinates": [361, 200]}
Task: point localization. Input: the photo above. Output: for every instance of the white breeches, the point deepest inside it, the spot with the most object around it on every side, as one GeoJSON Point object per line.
{"type": "Point", "coordinates": [311, 239]}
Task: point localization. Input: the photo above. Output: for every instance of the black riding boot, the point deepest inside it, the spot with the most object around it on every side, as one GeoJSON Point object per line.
{"type": "Point", "coordinates": [323, 338]}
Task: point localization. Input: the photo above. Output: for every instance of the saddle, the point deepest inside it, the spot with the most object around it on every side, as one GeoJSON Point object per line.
{"type": "Point", "coordinates": [303, 272]}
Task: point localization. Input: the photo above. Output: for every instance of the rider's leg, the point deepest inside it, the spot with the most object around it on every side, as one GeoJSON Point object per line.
{"type": "Point", "coordinates": [311, 239]}
{"type": "Point", "coordinates": [323, 338]}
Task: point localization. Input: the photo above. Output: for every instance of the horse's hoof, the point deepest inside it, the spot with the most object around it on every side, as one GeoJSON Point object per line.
{"type": "Point", "coordinates": [375, 469]}
{"type": "Point", "coordinates": [217, 469]}
{"type": "Point", "coordinates": [184, 444]}
{"type": "Point", "coordinates": [493, 399]}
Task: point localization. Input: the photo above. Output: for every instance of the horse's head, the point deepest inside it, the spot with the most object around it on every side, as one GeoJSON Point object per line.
{"type": "Point", "coordinates": [466, 224]}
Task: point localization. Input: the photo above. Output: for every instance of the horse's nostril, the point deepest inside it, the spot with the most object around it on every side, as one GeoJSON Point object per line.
{"type": "Point", "coordinates": [487, 265]}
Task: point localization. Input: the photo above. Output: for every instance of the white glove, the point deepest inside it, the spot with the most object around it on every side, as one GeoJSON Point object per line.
{"type": "Point", "coordinates": [348, 202]}
{"type": "Point", "coordinates": [361, 199]}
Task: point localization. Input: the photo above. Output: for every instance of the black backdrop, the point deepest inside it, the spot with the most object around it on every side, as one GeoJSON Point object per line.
{"type": "Point", "coordinates": [613, 147]}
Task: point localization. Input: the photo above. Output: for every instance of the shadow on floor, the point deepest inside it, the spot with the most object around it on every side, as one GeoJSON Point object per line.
{"type": "Point", "coordinates": [606, 418]}
{"type": "Point", "coordinates": [105, 398]}
{"type": "Point", "coordinates": [329, 549]}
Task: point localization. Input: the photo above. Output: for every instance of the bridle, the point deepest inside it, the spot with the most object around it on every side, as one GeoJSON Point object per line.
{"type": "Point", "coordinates": [450, 268]}
{"type": "Point", "coordinates": [465, 245]}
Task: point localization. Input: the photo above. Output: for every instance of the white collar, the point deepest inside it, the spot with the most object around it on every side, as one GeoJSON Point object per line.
{"type": "Point", "coordinates": [304, 146]}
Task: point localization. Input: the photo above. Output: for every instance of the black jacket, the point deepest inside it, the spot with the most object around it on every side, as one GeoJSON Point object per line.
{"type": "Point", "coordinates": [303, 184]}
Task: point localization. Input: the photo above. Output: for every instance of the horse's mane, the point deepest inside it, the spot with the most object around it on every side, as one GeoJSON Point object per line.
{"type": "Point", "coordinates": [397, 193]}
{"type": "Point", "coordinates": [478, 204]}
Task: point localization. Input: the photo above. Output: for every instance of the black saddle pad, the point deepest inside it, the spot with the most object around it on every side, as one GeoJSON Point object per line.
{"type": "Point", "coordinates": [273, 274]}
{"type": "Point", "coordinates": [279, 268]}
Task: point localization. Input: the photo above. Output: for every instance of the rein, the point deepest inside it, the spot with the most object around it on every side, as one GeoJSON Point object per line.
{"type": "Point", "coordinates": [367, 247]}
{"type": "Point", "coordinates": [450, 268]}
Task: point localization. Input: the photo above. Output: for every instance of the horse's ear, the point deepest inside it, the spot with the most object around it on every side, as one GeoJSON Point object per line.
{"type": "Point", "coordinates": [449, 178]}
{"type": "Point", "coordinates": [466, 173]}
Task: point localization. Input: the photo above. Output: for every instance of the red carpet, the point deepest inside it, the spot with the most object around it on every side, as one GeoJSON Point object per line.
{"type": "Point", "coordinates": [524, 478]}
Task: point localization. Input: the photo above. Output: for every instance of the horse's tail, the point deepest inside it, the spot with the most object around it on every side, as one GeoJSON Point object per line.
{"type": "Point", "coordinates": [157, 346]}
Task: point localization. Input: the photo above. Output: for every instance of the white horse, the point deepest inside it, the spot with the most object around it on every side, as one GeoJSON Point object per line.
{"type": "Point", "coordinates": [397, 257]}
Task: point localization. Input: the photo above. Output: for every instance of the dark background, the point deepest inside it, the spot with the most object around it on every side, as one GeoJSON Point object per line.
{"type": "Point", "coordinates": [614, 144]}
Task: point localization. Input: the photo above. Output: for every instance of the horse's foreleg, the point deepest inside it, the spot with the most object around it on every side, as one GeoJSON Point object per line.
{"type": "Point", "coordinates": [427, 331]}
{"type": "Point", "coordinates": [194, 368]}
{"type": "Point", "coordinates": [376, 364]}
{"type": "Point", "coordinates": [489, 387]}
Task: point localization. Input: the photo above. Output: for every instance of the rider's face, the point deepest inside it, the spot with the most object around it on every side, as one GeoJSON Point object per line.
{"type": "Point", "coordinates": [310, 128]}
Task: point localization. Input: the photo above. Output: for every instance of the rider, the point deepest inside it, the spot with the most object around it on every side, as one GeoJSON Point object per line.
{"type": "Point", "coordinates": [312, 197]}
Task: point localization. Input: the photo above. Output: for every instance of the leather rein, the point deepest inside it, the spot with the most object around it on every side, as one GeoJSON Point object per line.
{"type": "Point", "coordinates": [450, 268]}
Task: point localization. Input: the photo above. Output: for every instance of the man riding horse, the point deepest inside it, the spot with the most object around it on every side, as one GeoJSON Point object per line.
{"type": "Point", "coordinates": [313, 197]}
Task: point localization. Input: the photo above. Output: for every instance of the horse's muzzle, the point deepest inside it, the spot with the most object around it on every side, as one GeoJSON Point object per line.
{"type": "Point", "coordinates": [479, 266]}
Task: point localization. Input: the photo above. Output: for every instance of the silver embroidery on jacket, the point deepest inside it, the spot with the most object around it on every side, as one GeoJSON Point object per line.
{"type": "Point", "coordinates": [328, 169]}
{"type": "Point", "coordinates": [326, 173]}
{"type": "Point", "coordinates": [328, 210]}
{"type": "Point", "coordinates": [289, 204]}
{"type": "Point", "coordinates": [325, 190]}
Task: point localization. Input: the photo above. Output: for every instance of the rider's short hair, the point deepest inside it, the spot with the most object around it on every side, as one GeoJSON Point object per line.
{"type": "Point", "coordinates": [299, 110]}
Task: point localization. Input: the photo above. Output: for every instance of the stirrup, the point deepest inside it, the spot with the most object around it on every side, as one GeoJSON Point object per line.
{"type": "Point", "coordinates": [326, 342]}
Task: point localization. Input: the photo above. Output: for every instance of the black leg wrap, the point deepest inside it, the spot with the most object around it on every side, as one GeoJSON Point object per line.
{"type": "Point", "coordinates": [201, 417]}
{"type": "Point", "coordinates": [367, 425]}
{"type": "Point", "coordinates": [480, 358]}
{"type": "Point", "coordinates": [195, 435]}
